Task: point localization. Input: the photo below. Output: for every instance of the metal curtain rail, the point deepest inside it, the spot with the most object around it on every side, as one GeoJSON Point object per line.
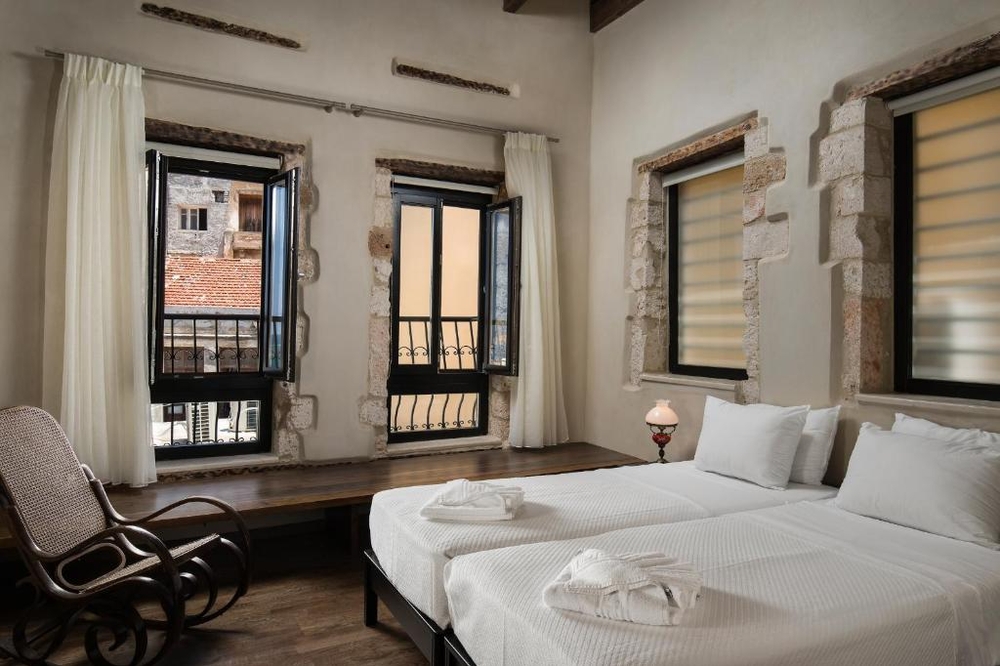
{"type": "Point", "coordinates": [328, 105]}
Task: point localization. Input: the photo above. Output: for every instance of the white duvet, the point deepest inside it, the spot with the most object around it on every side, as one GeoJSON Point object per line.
{"type": "Point", "coordinates": [413, 551]}
{"type": "Point", "coordinates": [799, 584]}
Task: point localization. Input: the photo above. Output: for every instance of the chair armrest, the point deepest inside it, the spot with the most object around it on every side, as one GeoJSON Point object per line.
{"type": "Point", "coordinates": [226, 511]}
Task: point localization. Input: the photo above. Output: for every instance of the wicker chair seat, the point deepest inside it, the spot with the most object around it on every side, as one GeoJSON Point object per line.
{"type": "Point", "coordinates": [181, 554]}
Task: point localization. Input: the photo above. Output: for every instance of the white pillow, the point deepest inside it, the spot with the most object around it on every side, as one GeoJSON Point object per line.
{"type": "Point", "coordinates": [931, 430]}
{"type": "Point", "coordinates": [752, 442]}
{"type": "Point", "coordinates": [813, 455]}
{"type": "Point", "coordinates": [948, 488]}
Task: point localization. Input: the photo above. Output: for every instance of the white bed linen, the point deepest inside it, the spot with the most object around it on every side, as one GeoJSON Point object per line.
{"type": "Point", "coordinates": [414, 551]}
{"type": "Point", "coordinates": [800, 584]}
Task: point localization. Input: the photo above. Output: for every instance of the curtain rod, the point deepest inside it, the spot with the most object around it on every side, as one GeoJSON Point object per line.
{"type": "Point", "coordinates": [328, 105]}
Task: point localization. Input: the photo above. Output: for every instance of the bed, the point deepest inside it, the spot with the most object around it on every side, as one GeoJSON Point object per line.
{"type": "Point", "coordinates": [412, 552]}
{"type": "Point", "coordinates": [804, 583]}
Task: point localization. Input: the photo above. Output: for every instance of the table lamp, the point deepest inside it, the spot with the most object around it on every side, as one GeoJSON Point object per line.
{"type": "Point", "coordinates": [662, 421]}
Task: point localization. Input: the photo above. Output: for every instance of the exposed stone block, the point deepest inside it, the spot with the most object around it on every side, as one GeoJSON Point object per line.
{"type": "Point", "coordinates": [500, 428]}
{"type": "Point", "coordinates": [867, 278]}
{"type": "Point", "coordinates": [374, 412]}
{"type": "Point", "coordinates": [853, 151]}
{"type": "Point", "coordinates": [645, 214]}
{"type": "Point", "coordinates": [655, 237]}
{"type": "Point", "coordinates": [755, 143]}
{"type": "Point", "coordinates": [862, 193]}
{"type": "Point", "coordinates": [380, 303]}
{"type": "Point", "coordinates": [499, 405]}
{"type": "Point", "coordinates": [288, 445]}
{"type": "Point", "coordinates": [650, 186]}
{"type": "Point", "coordinates": [380, 243]}
{"type": "Point", "coordinates": [867, 111]}
{"type": "Point", "coordinates": [383, 212]}
{"type": "Point", "coordinates": [383, 182]}
{"type": "Point", "coordinates": [379, 355]}
{"type": "Point", "coordinates": [302, 412]}
{"type": "Point", "coordinates": [645, 271]}
{"type": "Point", "coordinates": [308, 261]}
{"type": "Point", "coordinates": [651, 303]}
{"type": "Point", "coordinates": [753, 205]}
{"type": "Point", "coordinates": [760, 172]}
{"type": "Point", "coordinates": [765, 239]}
{"type": "Point", "coordinates": [751, 281]}
{"type": "Point", "coordinates": [748, 392]}
{"type": "Point", "coordinates": [861, 237]}
{"type": "Point", "coordinates": [383, 270]}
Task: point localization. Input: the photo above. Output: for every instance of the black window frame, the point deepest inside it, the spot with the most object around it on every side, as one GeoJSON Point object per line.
{"type": "Point", "coordinates": [903, 379]}
{"type": "Point", "coordinates": [513, 207]}
{"type": "Point", "coordinates": [224, 386]}
{"type": "Point", "coordinates": [673, 300]}
{"type": "Point", "coordinates": [429, 378]}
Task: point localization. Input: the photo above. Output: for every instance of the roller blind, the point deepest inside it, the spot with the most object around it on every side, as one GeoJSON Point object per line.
{"type": "Point", "coordinates": [708, 216]}
{"type": "Point", "coordinates": [956, 240]}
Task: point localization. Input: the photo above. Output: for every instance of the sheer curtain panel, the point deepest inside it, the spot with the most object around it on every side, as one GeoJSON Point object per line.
{"type": "Point", "coordinates": [95, 379]}
{"type": "Point", "coordinates": [537, 412]}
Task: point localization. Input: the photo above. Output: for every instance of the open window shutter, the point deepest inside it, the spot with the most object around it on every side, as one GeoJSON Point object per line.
{"type": "Point", "coordinates": [202, 219]}
{"type": "Point", "coordinates": [503, 287]}
{"type": "Point", "coordinates": [278, 309]}
{"type": "Point", "coordinates": [156, 193]}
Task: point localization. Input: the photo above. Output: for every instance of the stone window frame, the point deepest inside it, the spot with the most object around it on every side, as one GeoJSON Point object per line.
{"type": "Point", "coordinates": [373, 407]}
{"type": "Point", "coordinates": [765, 236]}
{"type": "Point", "coordinates": [293, 412]}
{"type": "Point", "coordinates": [855, 164]}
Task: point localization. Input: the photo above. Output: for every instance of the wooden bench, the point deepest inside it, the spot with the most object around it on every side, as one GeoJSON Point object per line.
{"type": "Point", "coordinates": [323, 486]}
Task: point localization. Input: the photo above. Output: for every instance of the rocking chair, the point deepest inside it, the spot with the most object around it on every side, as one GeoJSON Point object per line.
{"type": "Point", "coordinates": [58, 514]}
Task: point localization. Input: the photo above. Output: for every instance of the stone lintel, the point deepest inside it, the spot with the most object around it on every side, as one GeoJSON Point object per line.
{"type": "Point", "coordinates": [724, 141]}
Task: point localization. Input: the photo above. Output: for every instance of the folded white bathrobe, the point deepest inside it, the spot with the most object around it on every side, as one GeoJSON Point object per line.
{"type": "Point", "coordinates": [645, 588]}
{"type": "Point", "coordinates": [464, 500]}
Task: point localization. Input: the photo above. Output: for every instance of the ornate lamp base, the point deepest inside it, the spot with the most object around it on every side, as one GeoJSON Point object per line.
{"type": "Point", "coordinates": [661, 438]}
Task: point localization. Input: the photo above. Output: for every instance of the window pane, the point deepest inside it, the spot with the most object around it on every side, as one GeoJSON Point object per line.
{"type": "Point", "coordinates": [499, 318]}
{"type": "Point", "coordinates": [459, 288]}
{"type": "Point", "coordinates": [187, 423]}
{"type": "Point", "coordinates": [211, 285]}
{"type": "Point", "coordinates": [416, 252]}
{"type": "Point", "coordinates": [956, 240]}
{"type": "Point", "coordinates": [277, 272]}
{"type": "Point", "coordinates": [710, 254]}
{"type": "Point", "coordinates": [433, 411]}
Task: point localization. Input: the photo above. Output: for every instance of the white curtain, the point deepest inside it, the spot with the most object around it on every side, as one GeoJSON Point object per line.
{"type": "Point", "coordinates": [537, 413]}
{"type": "Point", "coordinates": [94, 377]}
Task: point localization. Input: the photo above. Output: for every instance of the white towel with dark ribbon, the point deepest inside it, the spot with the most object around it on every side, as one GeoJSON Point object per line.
{"type": "Point", "coordinates": [645, 588]}
{"type": "Point", "coordinates": [464, 500]}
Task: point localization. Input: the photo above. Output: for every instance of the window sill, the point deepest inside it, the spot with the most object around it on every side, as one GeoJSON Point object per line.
{"type": "Point", "coordinates": [683, 380]}
{"type": "Point", "coordinates": [214, 463]}
{"type": "Point", "coordinates": [931, 403]}
{"type": "Point", "coordinates": [445, 445]}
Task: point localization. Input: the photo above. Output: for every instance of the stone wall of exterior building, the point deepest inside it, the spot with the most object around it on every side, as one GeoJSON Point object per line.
{"type": "Point", "coordinates": [220, 197]}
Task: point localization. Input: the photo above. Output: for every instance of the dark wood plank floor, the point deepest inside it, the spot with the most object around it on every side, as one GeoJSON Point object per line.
{"type": "Point", "coordinates": [304, 609]}
{"type": "Point", "coordinates": [324, 486]}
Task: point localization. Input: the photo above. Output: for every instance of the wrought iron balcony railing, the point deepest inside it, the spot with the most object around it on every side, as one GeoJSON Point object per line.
{"type": "Point", "coordinates": [458, 342]}
{"type": "Point", "coordinates": [202, 344]}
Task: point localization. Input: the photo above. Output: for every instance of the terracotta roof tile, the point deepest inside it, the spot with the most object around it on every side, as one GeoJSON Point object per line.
{"type": "Point", "coordinates": [212, 282]}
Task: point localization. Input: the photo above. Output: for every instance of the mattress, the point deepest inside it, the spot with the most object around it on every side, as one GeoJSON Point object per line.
{"type": "Point", "coordinates": [799, 584]}
{"type": "Point", "coordinates": [413, 552]}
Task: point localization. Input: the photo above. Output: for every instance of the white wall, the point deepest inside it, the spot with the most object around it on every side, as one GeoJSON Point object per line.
{"type": "Point", "coordinates": [546, 49]}
{"type": "Point", "coordinates": [670, 69]}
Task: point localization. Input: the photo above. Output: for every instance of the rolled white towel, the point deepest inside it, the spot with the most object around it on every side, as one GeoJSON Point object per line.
{"type": "Point", "coordinates": [469, 501]}
{"type": "Point", "coordinates": [645, 588]}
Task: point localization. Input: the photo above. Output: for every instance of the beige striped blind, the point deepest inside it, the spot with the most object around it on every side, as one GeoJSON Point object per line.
{"type": "Point", "coordinates": [956, 240]}
{"type": "Point", "coordinates": [710, 256]}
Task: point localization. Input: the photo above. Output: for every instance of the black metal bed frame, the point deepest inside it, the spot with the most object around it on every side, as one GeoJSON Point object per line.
{"type": "Point", "coordinates": [440, 646]}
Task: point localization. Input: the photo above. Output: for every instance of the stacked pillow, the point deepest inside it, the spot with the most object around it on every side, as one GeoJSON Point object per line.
{"type": "Point", "coordinates": [923, 475]}
{"type": "Point", "coordinates": [766, 444]}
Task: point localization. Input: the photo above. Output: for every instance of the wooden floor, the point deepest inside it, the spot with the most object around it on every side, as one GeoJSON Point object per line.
{"type": "Point", "coordinates": [304, 609]}
{"type": "Point", "coordinates": [325, 486]}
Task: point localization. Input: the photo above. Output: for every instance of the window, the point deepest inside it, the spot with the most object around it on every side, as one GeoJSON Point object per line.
{"type": "Point", "coordinates": [194, 219]}
{"type": "Point", "coordinates": [705, 289]}
{"type": "Point", "coordinates": [456, 266]}
{"type": "Point", "coordinates": [251, 212]}
{"type": "Point", "coordinates": [217, 333]}
{"type": "Point", "coordinates": [947, 245]}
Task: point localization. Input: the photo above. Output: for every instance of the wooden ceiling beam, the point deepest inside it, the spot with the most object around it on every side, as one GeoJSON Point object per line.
{"type": "Point", "coordinates": [603, 12]}
{"type": "Point", "coordinates": [513, 5]}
